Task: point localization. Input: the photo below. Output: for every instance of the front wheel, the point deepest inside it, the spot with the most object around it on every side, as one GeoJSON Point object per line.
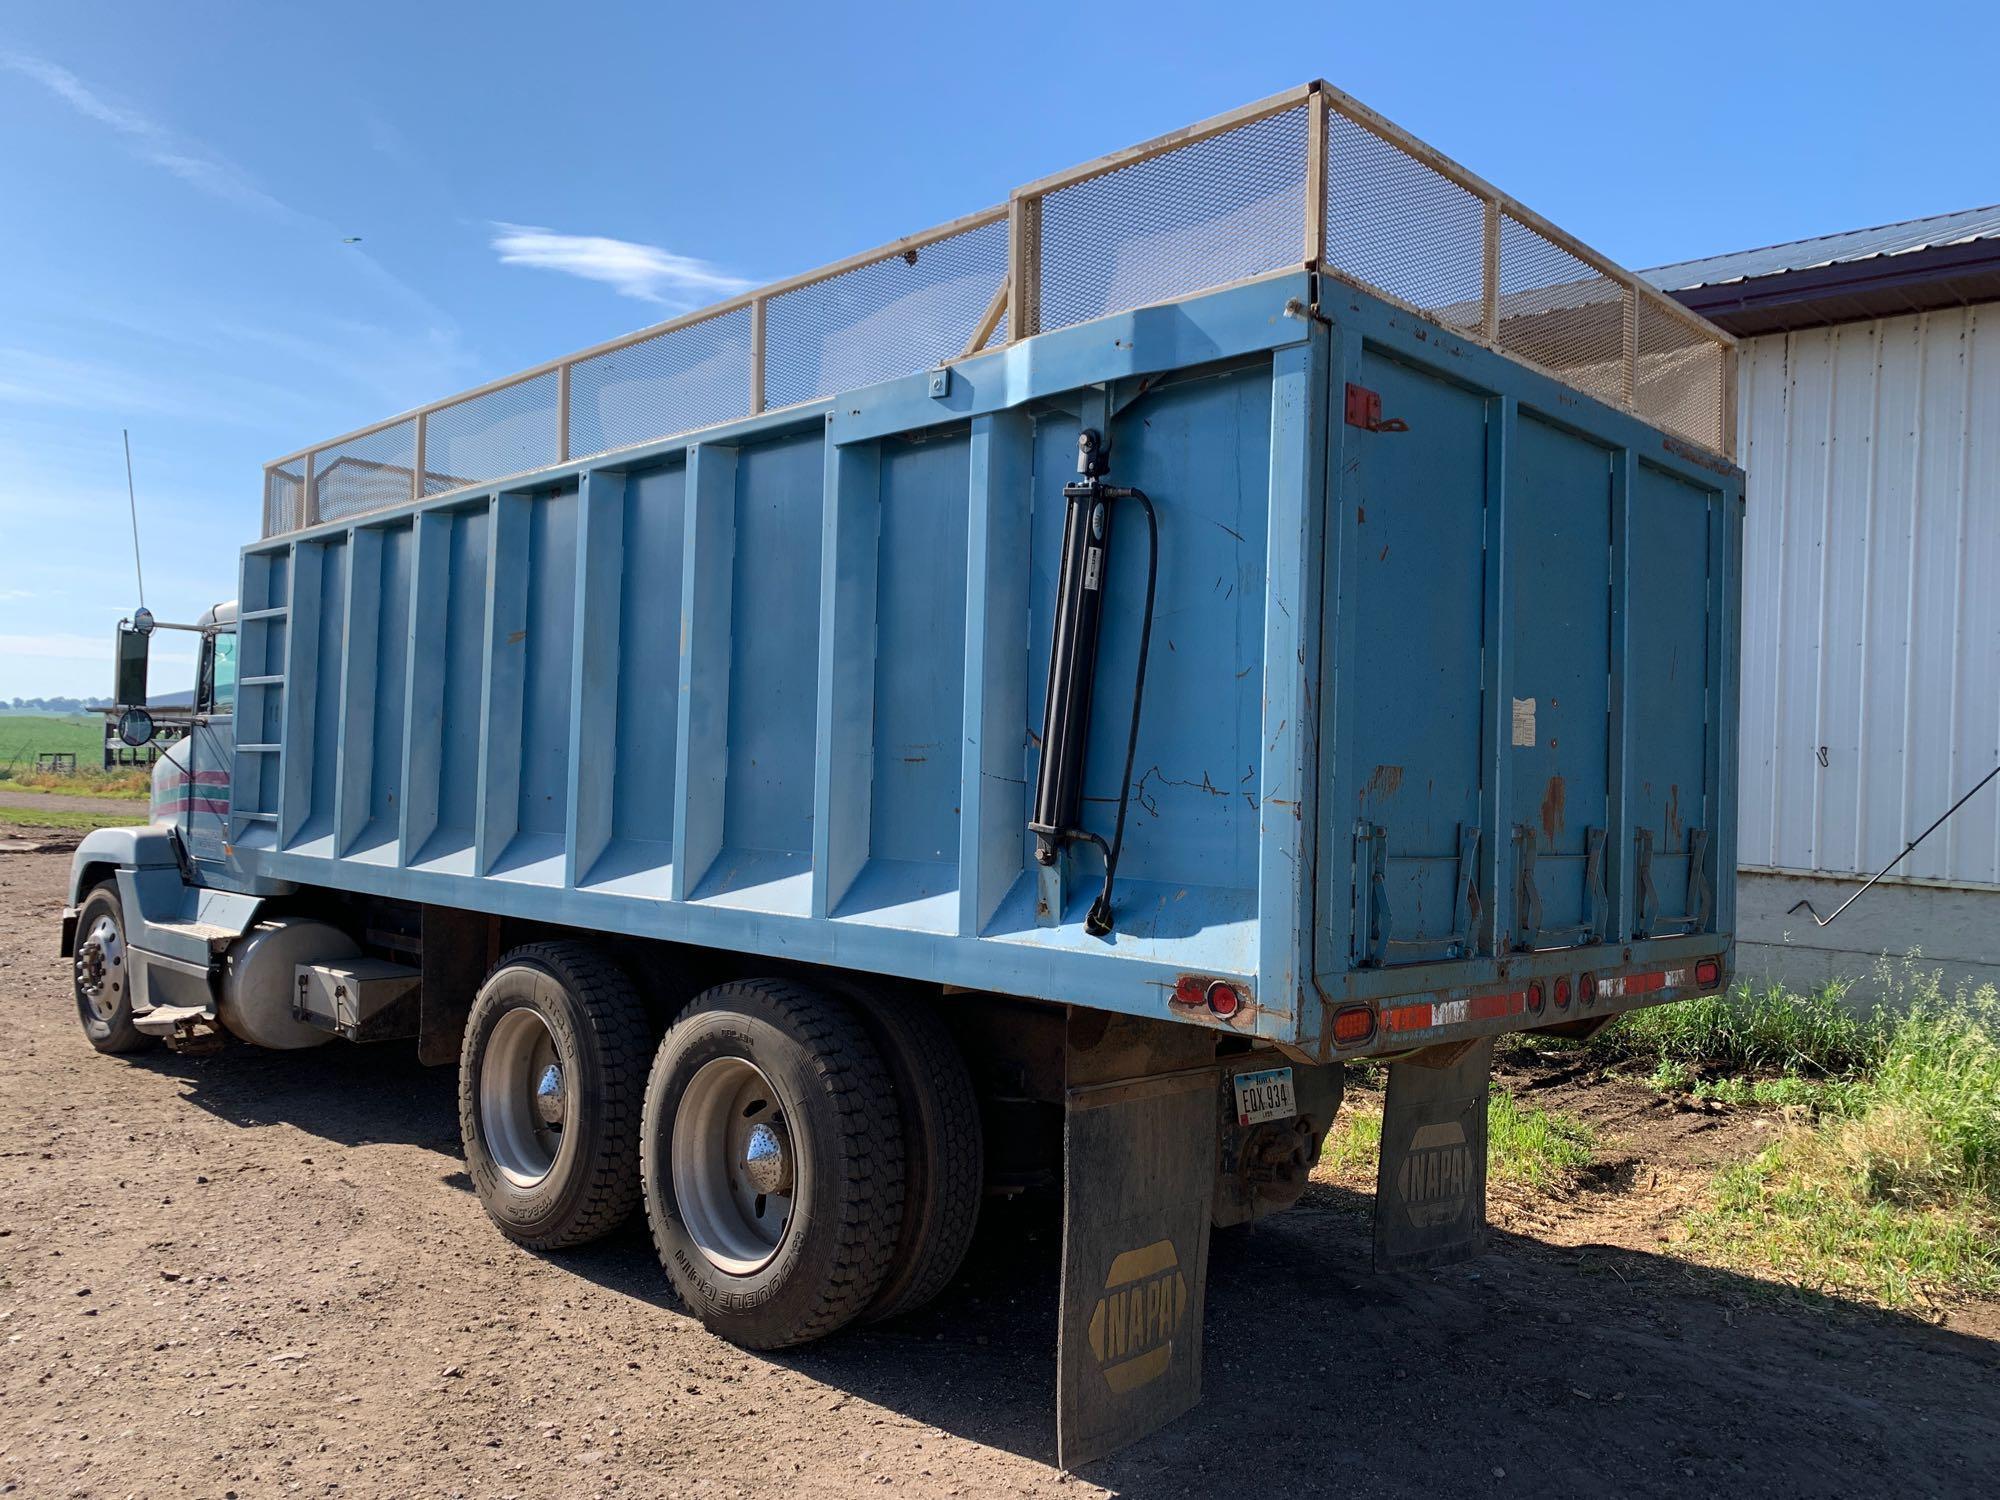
{"type": "Point", "coordinates": [102, 976]}
{"type": "Point", "coordinates": [772, 1162]}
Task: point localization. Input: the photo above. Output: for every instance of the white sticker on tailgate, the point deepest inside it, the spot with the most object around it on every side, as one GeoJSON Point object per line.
{"type": "Point", "coordinates": [1265, 1095]}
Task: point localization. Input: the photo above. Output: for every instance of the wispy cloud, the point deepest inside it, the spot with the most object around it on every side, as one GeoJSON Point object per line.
{"type": "Point", "coordinates": [188, 160]}
{"type": "Point", "coordinates": [643, 271]}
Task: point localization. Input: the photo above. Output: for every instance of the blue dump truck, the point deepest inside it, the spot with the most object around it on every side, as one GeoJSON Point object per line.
{"type": "Point", "coordinates": [1022, 706]}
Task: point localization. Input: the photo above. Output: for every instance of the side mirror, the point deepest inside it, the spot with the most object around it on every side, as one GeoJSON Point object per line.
{"type": "Point", "coordinates": [135, 727]}
{"type": "Point", "coordinates": [129, 688]}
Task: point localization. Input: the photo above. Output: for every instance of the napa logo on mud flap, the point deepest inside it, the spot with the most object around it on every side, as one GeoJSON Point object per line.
{"type": "Point", "coordinates": [1436, 1175]}
{"type": "Point", "coordinates": [1144, 1305]}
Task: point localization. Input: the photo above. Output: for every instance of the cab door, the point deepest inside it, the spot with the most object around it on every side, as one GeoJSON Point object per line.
{"type": "Point", "coordinates": [211, 750]}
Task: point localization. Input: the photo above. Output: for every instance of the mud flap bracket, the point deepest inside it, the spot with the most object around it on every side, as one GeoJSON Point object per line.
{"type": "Point", "coordinates": [1430, 1190]}
{"type": "Point", "coordinates": [1139, 1143]}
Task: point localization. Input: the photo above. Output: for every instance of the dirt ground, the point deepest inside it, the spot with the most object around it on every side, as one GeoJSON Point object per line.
{"type": "Point", "coordinates": [132, 807]}
{"type": "Point", "coordinates": [262, 1274]}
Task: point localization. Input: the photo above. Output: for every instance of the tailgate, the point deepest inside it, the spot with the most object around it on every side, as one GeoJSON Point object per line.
{"type": "Point", "coordinates": [1532, 722]}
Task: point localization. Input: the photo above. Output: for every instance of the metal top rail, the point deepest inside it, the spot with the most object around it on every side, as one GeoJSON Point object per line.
{"type": "Point", "coordinates": [1306, 179]}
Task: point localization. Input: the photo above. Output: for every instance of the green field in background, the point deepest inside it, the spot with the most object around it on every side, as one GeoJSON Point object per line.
{"type": "Point", "coordinates": [24, 736]}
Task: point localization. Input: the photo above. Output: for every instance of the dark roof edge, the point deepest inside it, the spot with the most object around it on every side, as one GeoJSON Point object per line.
{"type": "Point", "coordinates": [1849, 291]}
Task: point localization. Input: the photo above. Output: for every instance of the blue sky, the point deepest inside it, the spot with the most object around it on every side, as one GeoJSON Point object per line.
{"type": "Point", "coordinates": [176, 183]}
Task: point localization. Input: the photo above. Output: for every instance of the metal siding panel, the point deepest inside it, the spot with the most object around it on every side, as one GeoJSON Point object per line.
{"type": "Point", "coordinates": [1794, 746]}
{"type": "Point", "coordinates": [1871, 618]}
{"type": "Point", "coordinates": [1886, 611]}
{"type": "Point", "coordinates": [1767, 394]}
{"type": "Point", "coordinates": [1845, 577]}
{"type": "Point", "coordinates": [1929, 773]}
{"type": "Point", "coordinates": [1975, 849]}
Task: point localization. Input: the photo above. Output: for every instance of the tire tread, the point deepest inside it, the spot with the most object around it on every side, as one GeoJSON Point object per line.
{"type": "Point", "coordinates": [869, 1140]}
{"type": "Point", "coordinates": [615, 1017]}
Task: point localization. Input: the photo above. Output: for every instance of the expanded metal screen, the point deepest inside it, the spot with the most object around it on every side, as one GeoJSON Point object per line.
{"type": "Point", "coordinates": [882, 319]}
{"type": "Point", "coordinates": [1398, 225]}
{"type": "Point", "coordinates": [686, 378]}
{"type": "Point", "coordinates": [1308, 179]}
{"type": "Point", "coordinates": [1219, 210]}
{"type": "Point", "coordinates": [513, 430]}
{"type": "Point", "coordinates": [363, 474]}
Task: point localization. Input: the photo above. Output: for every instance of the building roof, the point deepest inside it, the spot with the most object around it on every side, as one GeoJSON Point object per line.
{"type": "Point", "coordinates": [1946, 260]}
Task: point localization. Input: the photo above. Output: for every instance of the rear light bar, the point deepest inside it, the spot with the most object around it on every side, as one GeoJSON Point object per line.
{"type": "Point", "coordinates": [1587, 989]}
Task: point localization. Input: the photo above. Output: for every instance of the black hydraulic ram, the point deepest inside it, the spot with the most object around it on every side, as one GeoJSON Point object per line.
{"type": "Point", "coordinates": [1079, 617]}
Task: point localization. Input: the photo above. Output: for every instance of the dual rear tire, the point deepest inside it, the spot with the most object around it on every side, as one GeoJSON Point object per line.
{"type": "Point", "coordinates": [804, 1159]}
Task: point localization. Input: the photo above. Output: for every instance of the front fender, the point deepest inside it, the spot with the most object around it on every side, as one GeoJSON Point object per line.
{"type": "Point", "coordinates": [105, 851]}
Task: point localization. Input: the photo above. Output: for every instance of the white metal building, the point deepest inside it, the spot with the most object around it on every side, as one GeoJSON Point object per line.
{"type": "Point", "coordinates": [1869, 424]}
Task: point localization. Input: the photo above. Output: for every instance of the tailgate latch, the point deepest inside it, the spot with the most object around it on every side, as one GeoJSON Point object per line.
{"type": "Point", "coordinates": [1364, 410]}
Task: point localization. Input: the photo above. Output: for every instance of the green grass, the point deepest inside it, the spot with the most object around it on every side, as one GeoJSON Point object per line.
{"type": "Point", "coordinates": [23, 737]}
{"type": "Point", "coordinates": [1747, 1030]}
{"type": "Point", "coordinates": [35, 817]}
{"type": "Point", "coordinates": [1541, 1148]}
{"type": "Point", "coordinates": [1537, 1147]}
{"type": "Point", "coordinates": [1886, 1183]}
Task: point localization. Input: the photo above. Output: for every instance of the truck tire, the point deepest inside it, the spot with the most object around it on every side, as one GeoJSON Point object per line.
{"type": "Point", "coordinates": [772, 1162]}
{"type": "Point", "coordinates": [102, 974]}
{"type": "Point", "coordinates": [549, 1083]}
{"type": "Point", "coordinates": [944, 1150]}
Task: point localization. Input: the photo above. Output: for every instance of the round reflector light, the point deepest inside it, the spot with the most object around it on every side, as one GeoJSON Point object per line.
{"type": "Point", "coordinates": [1223, 999]}
{"type": "Point", "coordinates": [1562, 993]}
{"type": "Point", "coordinates": [1537, 996]}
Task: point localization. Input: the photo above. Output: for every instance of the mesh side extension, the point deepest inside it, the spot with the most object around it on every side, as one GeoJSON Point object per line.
{"type": "Point", "coordinates": [1216, 211]}
{"type": "Point", "coordinates": [672, 383]}
{"type": "Point", "coordinates": [890, 317]}
{"type": "Point", "coordinates": [371, 472]}
{"type": "Point", "coordinates": [1681, 381]}
{"type": "Point", "coordinates": [1561, 313]}
{"type": "Point", "coordinates": [1398, 225]}
{"type": "Point", "coordinates": [508, 431]}
{"type": "Point", "coordinates": [284, 499]}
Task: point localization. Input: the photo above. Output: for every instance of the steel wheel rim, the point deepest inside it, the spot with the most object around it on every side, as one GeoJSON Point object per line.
{"type": "Point", "coordinates": [100, 968]}
{"type": "Point", "coordinates": [734, 1168]}
{"type": "Point", "coordinates": [524, 1098]}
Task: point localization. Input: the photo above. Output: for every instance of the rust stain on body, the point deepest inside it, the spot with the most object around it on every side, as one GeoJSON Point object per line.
{"type": "Point", "coordinates": [1673, 827]}
{"type": "Point", "coordinates": [1552, 808]}
{"type": "Point", "coordinates": [1386, 782]}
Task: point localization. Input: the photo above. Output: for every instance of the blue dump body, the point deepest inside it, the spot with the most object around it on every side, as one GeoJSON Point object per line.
{"type": "Point", "coordinates": [1439, 704]}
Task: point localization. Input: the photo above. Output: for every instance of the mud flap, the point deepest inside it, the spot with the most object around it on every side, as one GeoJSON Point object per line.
{"type": "Point", "coordinates": [1430, 1190]}
{"type": "Point", "coordinates": [1139, 1174]}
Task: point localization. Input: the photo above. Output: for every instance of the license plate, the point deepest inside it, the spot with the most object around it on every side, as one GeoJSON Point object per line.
{"type": "Point", "coordinates": [1265, 1095]}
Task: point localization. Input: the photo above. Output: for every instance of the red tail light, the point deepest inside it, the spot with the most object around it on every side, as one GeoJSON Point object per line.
{"type": "Point", "coordinates": [1353, 1025]}
{"type": "Point", "coordinates": [1562, 993]}
{"type": "Point", "coordinates": [1537, 996]}
{"type": "Point", "coordinates": [1587, 989]}
{"type": "Point", "coordinates": [1223, 999]}
{"type": "Point", "coordinates": [1707, 973]}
